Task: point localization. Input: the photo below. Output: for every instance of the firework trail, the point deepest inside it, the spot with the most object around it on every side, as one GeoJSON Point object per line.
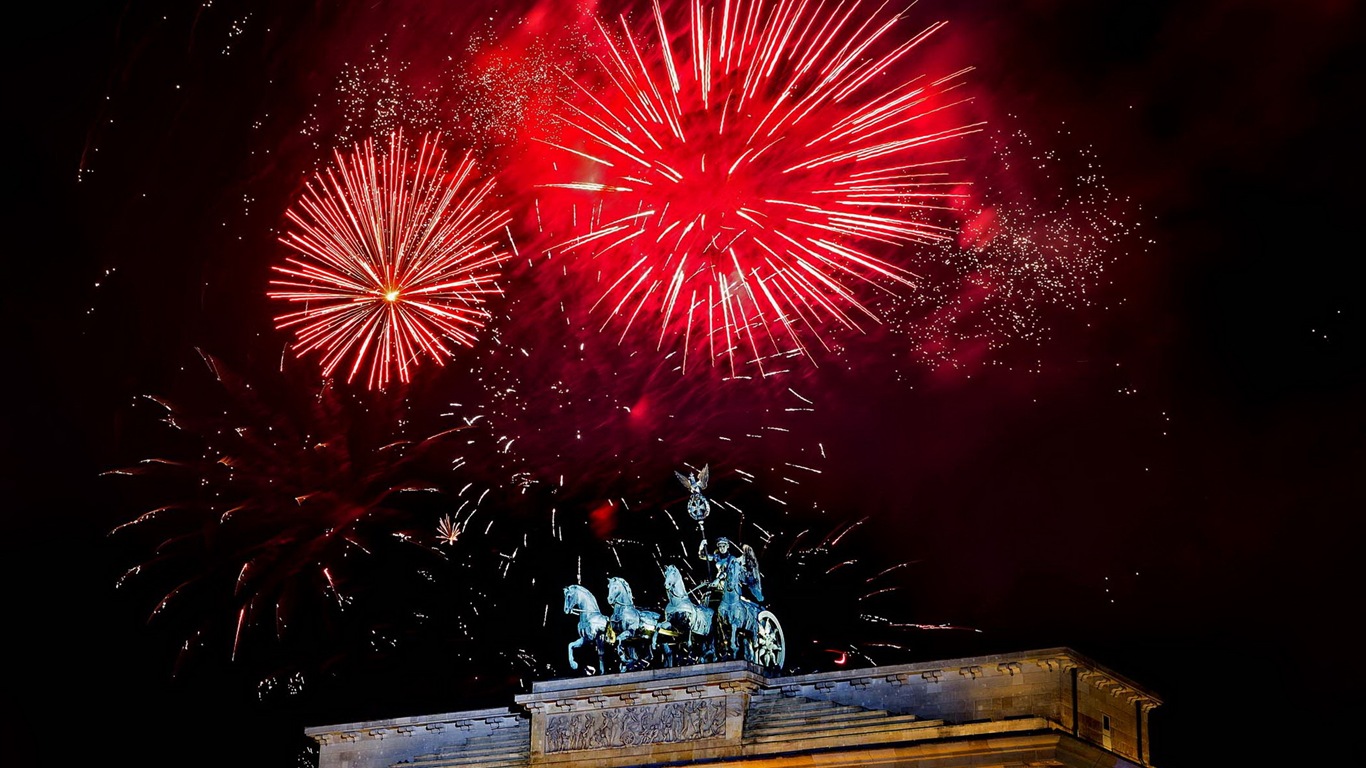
{"type": "Point", "coordinates": [305, 512]}
{"type": "Point", "coordinates": [865, 600]}
{"type": "Point", "coordinates": [736, 181]}
{"type": "Point", "coordinates": [547, 401]}
{"type": "Point", "coordinates": [393, 260]}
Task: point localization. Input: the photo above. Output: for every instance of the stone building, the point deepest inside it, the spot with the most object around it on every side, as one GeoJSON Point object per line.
{"type": "Point", "coordinates": [1051, 707]}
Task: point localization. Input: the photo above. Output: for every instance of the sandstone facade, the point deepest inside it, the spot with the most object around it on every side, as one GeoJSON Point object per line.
{"type": "Point", "coordinates": [1049, 707]}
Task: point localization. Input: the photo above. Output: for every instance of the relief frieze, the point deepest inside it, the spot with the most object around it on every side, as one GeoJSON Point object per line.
{"type": "Point", "coordinates": [614, 728]}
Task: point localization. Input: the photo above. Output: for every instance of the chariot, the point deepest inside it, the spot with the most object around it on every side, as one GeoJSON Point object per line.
{"type": "Point", "coordinates": [731, 623]}
{"type": "Point", "coordinates": [683, 632]}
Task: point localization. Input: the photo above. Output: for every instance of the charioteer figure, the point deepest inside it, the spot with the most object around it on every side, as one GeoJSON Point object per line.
{"type": "Point", "coordinates": [746, 629]}
{"type": "Point", "coordinates": [736, 569]}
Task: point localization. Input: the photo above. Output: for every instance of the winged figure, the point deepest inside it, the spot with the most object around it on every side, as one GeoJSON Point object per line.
{"type": "Point", "coordinates": [698, 505]}
{"type": "Point", "coordinates": [697, 481]}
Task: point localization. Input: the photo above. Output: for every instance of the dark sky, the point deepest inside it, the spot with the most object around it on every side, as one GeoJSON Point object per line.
{"type": "Point", "coordinates": [1162, 472]}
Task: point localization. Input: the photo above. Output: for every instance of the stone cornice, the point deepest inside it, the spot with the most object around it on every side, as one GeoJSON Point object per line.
{"type": "Point", "coordinates": [403, 727]}
{"type": "Point", "coordinates": [895, 733]}
{"type": "Point", "coordinates": [973, 668]}
{"type": "Point", "coordinates": [663, 685]}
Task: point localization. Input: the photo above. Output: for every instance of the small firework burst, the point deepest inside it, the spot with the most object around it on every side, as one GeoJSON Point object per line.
{"type": "Point", "coordinates": [394, 257]}
{"type": "Point", "coordinates": [448, 530]}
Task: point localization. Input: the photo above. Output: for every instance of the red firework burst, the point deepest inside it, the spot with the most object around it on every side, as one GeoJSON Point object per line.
{"type": "Point", "coordinates": [742, 172]}
{"type": "Point", "coordinates": [281, 514]}
{"type": "Point", "coordinates": [393, 258]}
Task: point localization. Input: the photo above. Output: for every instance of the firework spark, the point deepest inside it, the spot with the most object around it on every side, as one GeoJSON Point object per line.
{"type": "Point", "coordinates": [373, 96]}
{"type": "Point", "coordinates": [808, 559]}
{"type": "Point", "coordinates": [393, 259]}
{"type": "Point", "coordinates": [742, 176]}
{"type": "Point", "coordinates": [448, 530]}
{"type": "Point", "coordinates": [1041, 234]}
{"type": "Point", "coordinates": [550, 404]}
{"type": "Point", "coordinates": [293, 507]}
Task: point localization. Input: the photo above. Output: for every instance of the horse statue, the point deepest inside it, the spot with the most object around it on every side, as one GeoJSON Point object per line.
{"type": "Point", "coordinates": [631, 623]}
{"type": "Point", "coordinates": [690, 620]}
{"type": "Point", "coordinates": [594, 627]}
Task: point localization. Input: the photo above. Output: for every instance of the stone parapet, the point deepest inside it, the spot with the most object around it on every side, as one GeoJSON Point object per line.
{"type": "Point", "coordinates": [1072, 692]}
{"type": "Point", "coordinates": [1046, 707]}
{"type": "Point", "coordinates": [379, 743]}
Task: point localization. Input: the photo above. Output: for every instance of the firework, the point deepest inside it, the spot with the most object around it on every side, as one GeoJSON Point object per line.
{"type": "Point", "coordinates": [1041, 234]}
{"type": "Point", "coordinates": [448, 529]}
{"type": "Point", "coordinates": [393, 258]}
{"type": "Point", "coordinates": [737, 181]}
{"type": "Point", "coordinates": [864, 599]}
{"type": "Point", "coordinates": [374, 96]}
{"type": "Point", "coordinates": [288, 519]}
{"type": "Point", "coordinates": [554, 405]}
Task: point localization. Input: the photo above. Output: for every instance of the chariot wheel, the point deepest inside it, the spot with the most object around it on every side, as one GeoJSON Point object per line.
{"type": "Point", "coordinates": [768, 647]}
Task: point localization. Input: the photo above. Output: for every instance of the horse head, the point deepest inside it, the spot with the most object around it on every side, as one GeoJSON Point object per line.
{"type": "Point", "coordinates": [578, 598]}
{"type": "Point", "coordinates": [673, 581]}
{"type": "Point", "coordinates": [619, 592]}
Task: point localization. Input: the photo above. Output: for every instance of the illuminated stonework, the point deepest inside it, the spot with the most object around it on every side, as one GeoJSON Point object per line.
{"type": "Point", "coordinates": [620, 727]}
{"type": "Point", "coordinates": [1050, 707]}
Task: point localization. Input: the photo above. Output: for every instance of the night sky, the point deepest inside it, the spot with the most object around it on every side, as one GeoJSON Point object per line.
{"type": "Point", "coordinates": [1124, 413]}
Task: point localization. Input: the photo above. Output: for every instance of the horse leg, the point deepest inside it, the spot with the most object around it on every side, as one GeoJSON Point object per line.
{"type": "Point", "coordinates": [576, 644]}
{"type": "Point", "coordinates": [625, 651]}
{"type": "Point", "coordinates": [601, 645]}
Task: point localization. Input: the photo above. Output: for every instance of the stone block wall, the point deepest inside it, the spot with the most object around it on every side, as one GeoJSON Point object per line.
{"type": "Point", "coordinates": [998, 687]}
{"type": "Point", "coordinates": [385, 742]}
{"type": "Point", "coordinates": [1034, 700]}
